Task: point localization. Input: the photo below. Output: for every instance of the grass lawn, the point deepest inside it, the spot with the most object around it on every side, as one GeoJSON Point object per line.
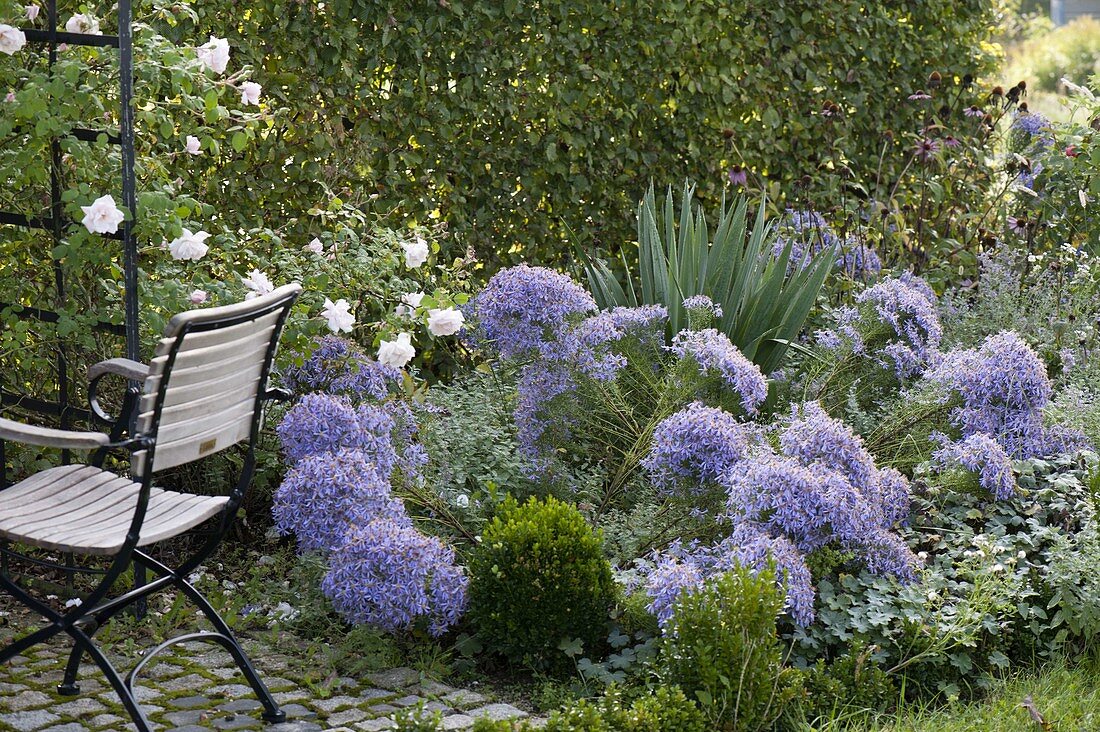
{"type": "Point", "coordinates": [1064, 697]}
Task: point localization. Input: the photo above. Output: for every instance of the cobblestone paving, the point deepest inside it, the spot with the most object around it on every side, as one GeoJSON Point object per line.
{"type": "Point", "coordinates": [196, 686]}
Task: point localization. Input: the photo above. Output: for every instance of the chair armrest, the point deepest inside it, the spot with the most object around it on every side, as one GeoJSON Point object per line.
{"type": "Point", "coordinates": [47, 437]}
{"type": "Point", "coordinates": [121, 367]}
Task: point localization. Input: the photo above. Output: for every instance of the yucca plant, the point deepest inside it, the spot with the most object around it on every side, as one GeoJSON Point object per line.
{"type": "Point", "coordinates": [763, 305]}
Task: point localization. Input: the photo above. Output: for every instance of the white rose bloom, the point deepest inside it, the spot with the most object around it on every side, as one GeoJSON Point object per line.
{"type": "Point", "coordinates": [250, 93]}
{"type": "Point", "coordinates": [83, 23]}
{"type": "Point", "coordinates": [214, 54]}
{"type": "Point", "coordinates": [189, 245]}
{"type": "Point", "coordinates": [257, 284]}
{"type": "Point", "coordinates": [198, 297]}
{"type": "Point", "coordinates": [410, 301]}
{"type": "Point", "coordinates": [315, 246]}
{"type": "Point", "coordinates": [11, 39]}
{"type": "Point", "coordinates": [396, 353]}
{"type": "Point", "coordinates": [445, 322]}
{"type": "Point", "coordinates": [416, 252]}
{"type": "Point", "coordinates": [462, 500]}
{"type": "Point", "coordinates": [103, 216]}
{"type": "Point", "coordinates": [338, 314]}
{"type": "Point", "coordinates": [32, 12]}
{"type": "Point", "coordinates": [193, 146]}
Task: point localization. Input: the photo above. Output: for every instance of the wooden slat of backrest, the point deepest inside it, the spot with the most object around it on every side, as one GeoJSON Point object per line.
{"type": "Point", "coordinates": [211, 391]}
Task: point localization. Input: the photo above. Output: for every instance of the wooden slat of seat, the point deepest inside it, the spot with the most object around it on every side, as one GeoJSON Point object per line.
{"type": "Point", "coordinates": [188, 370]}
{"type": "Point", "coordinates": [88, 511]}
{"type": "Point", "coordinates": [208, 338]}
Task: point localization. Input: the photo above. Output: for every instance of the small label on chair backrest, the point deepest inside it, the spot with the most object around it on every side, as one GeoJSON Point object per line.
{"type": "Point", "coordinates": [207, 446]}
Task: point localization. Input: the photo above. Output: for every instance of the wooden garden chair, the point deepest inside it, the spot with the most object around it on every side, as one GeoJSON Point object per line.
{"type": "Point", "coordinates": [203, 392]}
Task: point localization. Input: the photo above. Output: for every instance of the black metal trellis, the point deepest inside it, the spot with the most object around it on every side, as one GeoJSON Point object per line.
{"type": "Point", "coordinates": [64, 411]}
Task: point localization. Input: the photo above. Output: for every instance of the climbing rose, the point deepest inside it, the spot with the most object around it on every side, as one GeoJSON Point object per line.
{"type": "Point", "coordinates": [250, 93]}
{"type": "Point", "coordinates": [257, 283]}
{"type": "Point", "coordinates": [396, 353]}
{"type": "Point", "coordinates": [194, 147]}
{"type": "Point", "coordinates": [445, 322]}
{"type": "Point", "coordinates": [198, 297]}
{"type": "Point", "coordinates": [11, 39]}
{"type": "Point", "coordinates": [315, 246]}
{"type": "Point", "coordinates": [189, 245]}
{"type": "Point", "coordinates": [410, 301]}
{"type": "Point", "coordinates": [103, 216]}
{"type": "Point", "coordinates": [32, 12]}
{"type": "Point", "coordinates": [83, 23]}
{"type": "Point", "coordinates": [338, 315]}
{"type": "Point", "coordinates": [416, 252]}
{"type": "Point", "coordinates": [214, 54]}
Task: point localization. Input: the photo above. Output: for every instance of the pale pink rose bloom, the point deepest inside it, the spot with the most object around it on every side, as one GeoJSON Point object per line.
{"type": "Point", "coordinates": [315, 246]}
{"type": "Point", "coordinates": [83, 23]}
{"type": "Point", "coordinates": [338, 314]}
{"type": "Point", "coordinates": [396, 353]}
{"type": "Point", "coordinates": [12, 39]}
{"type": "Point", "coordinates": [32, 12]}
{"type": "Point", "coordinates": [250, 93]}
{"type": "Point", "coordinates": [257, 284]}
{"type": "Point", "coordinates": [416, 252]}
{"type": "Point", "coordinates": [103, 216]}
{"type": "Point", "coordinates": [193, 146]}
{"type": "Point", "coordinates": [10, 97]}
{"type": "Point", "coordinates": [214, 54]}
{"type": "Point", "coordinates": [445, 322]}
{"type": "Point", "coordinates": [189, 245]}
{"type": "Point", "coordinates": [198, 297]}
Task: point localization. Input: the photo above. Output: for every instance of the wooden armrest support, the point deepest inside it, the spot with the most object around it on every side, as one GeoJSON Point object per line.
{"type": "Point", "coordinates": [47, 437]}
{"type": "Point", "coordinates": [121, 367]}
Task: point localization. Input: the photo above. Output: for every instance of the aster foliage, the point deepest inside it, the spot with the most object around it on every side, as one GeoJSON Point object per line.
{"type": "Point", "coordinates": [714, 354]}
{"type": "Point", "coordinates": [983, 455]}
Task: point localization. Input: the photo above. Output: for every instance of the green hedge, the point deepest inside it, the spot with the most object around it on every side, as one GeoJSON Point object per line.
{"type": "Point", "coordinates": [515, 122]}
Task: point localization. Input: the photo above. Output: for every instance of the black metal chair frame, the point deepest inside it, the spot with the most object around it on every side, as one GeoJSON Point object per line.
{"type": "Point", "coordinates": [97, 608]}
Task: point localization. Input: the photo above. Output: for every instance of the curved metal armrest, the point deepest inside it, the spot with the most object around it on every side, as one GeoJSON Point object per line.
{"type": "Point", "coordinates": [47, 437]}
{"type": "Point", "coordinates": [120, 367]}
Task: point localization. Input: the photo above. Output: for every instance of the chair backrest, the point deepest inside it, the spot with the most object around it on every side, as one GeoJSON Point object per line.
{"type": "Point", "coordinates": [207, 377]}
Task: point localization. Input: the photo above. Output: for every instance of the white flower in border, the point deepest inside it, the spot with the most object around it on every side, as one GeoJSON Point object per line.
{"type": "Point", "coordinates": [83, 23]}
{"type": "Point", "coordinates": [396, 353]}
{"type": "Point", "coordinates": [250, 93]}
{"type": "Point", "coordinates": [410, 301]}
{"type": "Point", "coordinates": [1083, 198]}
{"type": "Point", "coordinates": [257, 284]}
{"type": "Point", "coordinates": [193, 146]}
{"type": "Point", "coordinates": [32, 12]}
{"type": "Point", "coordinates": [103, 216]}
{"type": "Point", "coordinates": [10, 97]}
{"type": "Point", "coordinates": [189, 245]}
{"type": "Point", "coordinates": [445, 322]}
{"type": "Point", "coordinates": [198, 297]}
{"type": "Point", "coordinates": [315, 246]}
{"type": "Point", "coordinates": [416, 252]}
{"type": "Point", "coordinates": [338, 314]}
{"type": "Point", "coordinates": [214, 54]}
{"type": "Point", "coordinates": [11, 39]}
{"type": "Point", "coordinates": [462, 500]}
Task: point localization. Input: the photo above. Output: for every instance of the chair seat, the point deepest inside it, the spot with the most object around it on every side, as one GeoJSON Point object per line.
{"type": "Point", "coordinates": [87, 510]}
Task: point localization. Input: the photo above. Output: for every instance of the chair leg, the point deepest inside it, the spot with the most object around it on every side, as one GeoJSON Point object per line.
{"type": "Point", "coordinates": [84, 643]}
{"type": "Point", "coordinates": [272, 712]}
{"type": "Point", "coordinates": [68, 685]}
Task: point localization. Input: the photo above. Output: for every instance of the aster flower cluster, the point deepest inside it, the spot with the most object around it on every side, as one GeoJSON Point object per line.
{"type": "Point", "coordinates": [388, 574]}
{"type": "Point", "coordinates": [897, 320]}
{"type": "Point", "coordinates": [696, 447]}
{"type": "Point", "coordinates": [715, 354]}
{"type": "Point", "coordinates": [702, 312]}
{"type": "Point", "coordinates": [336, 366]}
{"type": "Point", "coordinates": [1002, 388]}
{"type": "Point", "coordinates": [337, 498]}
{"type": "Point", "coordinates": [982, 455]}
{"type": "Point", "coordinates": [808, 234]}
{"type": "Point", "coordinates": [522, 309]}
{"type": "Point", "coordinates": [1033, 128]}
{"type": "Point", "coordinates": [820, 488]}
